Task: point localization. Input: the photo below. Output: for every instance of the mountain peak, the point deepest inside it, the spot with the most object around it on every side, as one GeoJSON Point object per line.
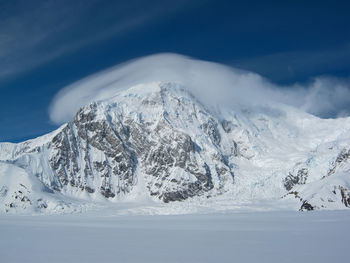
{"type": "Point", "coordinates": [158, 141]}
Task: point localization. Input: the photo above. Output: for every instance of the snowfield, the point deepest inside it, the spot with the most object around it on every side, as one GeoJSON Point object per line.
{"type": "Point", "coordinates": [280, 236]}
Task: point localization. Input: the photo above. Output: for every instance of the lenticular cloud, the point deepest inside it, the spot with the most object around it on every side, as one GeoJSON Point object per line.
{"type": "Point", "coordinates": [212, 83]}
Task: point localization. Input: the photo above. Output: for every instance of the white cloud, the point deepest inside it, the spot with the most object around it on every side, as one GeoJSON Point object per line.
{"type": "Point", "coordinates": [213, 83]}
{"type": "Point", "coordinates": [325, 97]}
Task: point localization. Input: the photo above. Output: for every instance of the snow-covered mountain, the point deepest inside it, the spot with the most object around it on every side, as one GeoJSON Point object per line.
{"type": "Point", "coordinates": [157, 142]}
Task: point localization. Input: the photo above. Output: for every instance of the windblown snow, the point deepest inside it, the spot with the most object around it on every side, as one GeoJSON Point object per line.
{"type": "Point", "coordinates": [156, 149]}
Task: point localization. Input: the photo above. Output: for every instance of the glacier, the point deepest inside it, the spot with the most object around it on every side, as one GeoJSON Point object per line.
{"type": "Point", "coordinates": [155, 148]}
{"type": "Point", "coordinates": [279, 236]}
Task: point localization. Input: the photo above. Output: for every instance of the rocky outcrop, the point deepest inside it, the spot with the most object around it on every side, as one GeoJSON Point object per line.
{"type": "Point", "coordinates": [344, 193]}
{"type": "Point", "coordinates": [342, 157]}
{"type": "Point", "coordinates": [92, 155]}
{"type": "Point", "coordinates": [291, 180]}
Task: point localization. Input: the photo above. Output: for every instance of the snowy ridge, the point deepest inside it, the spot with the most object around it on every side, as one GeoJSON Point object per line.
{"type": "Point", "coordinates": [156, 144]}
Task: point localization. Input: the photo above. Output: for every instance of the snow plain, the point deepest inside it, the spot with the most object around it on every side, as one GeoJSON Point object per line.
{"type": "Point", "coordinates": [236, 236]}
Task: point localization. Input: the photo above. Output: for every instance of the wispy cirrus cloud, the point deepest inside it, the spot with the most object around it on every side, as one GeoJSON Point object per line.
{"type": "Point", "coordinates": [35, 32]}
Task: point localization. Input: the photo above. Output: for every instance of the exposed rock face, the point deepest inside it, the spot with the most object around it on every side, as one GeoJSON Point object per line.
{"type": "Point", "coordinates": [106, 148]}
{"type": "Point", "coordinates": [342, 157]}
{"type": "Point", "coordinates": [306, 206]}
{"type": "Point", "coordinates": [344, 193]}
{"type": "Point", "coordinates": [90, 154]}
{"type": "Point", "coordinates": [300, 178]}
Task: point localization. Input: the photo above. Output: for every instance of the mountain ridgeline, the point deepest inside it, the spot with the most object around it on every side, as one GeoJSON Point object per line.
{"type": "Point", "coordinates": [159, 142]}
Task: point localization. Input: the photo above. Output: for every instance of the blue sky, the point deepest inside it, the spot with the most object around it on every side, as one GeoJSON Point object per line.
{"type": "Point", "coordinates": [46, 45]}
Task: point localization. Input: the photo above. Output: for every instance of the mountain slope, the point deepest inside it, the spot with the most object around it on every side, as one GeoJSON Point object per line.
{"type": "Point", "coordinates": [158, 141]}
